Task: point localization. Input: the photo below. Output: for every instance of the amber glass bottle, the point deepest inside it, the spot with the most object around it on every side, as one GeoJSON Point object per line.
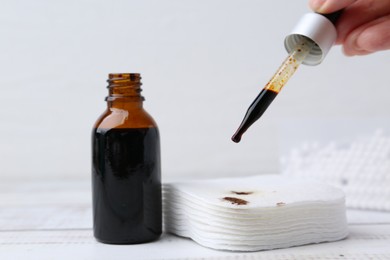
{"type": "Point", "coordinates": [126, 171]}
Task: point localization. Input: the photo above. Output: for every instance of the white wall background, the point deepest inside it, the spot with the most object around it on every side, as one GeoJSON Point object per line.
{"type": "Point", "coordinates": [202, 63]}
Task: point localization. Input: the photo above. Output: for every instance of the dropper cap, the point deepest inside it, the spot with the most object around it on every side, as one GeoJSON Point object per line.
{"type": "Point", "coordinates": [319, 28]}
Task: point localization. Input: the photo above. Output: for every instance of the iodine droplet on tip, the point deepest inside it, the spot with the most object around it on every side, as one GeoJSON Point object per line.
{"type": "Point", "coordinates": [236, 138]}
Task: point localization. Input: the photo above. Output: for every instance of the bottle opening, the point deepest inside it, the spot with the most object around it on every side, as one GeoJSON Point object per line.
{"type": "Point", "coordinates": [132, 77]}
{"type": "Point", "coordinates": [124, 85]}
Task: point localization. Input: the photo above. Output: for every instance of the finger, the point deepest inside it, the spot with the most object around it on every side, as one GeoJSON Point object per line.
{"type": "Point", "coordinates": [369, 38]}
{"type": "Point", "coordinates": [358, 14]}
{"type": "Point", "coordinates": [329, 6]}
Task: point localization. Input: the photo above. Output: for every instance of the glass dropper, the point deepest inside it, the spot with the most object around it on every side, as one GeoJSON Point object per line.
{"type": "Point", "coordinates": [275, 85]}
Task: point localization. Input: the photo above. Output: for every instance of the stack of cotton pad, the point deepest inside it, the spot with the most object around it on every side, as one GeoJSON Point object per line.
{"type": "Point", "coordinates": [254, 213]}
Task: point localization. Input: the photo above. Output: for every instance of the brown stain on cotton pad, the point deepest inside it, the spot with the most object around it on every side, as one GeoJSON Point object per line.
{"type": "Point", "coordinates": [242, 192]}
{"type": "Point", "coordinates": [236, 201]}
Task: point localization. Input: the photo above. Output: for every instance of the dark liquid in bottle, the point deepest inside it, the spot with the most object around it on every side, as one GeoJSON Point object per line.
{"type": "Point", "coordinates": [255, 111]}
{"type": "Point", "coordinates": [126, 185]}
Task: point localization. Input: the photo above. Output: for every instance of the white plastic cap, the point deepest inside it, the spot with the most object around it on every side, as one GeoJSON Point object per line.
{"type": "Point", "coordinates": [319, 29]}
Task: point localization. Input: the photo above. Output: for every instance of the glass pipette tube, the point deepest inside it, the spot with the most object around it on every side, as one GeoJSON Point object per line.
{"type": "Point", "coordinates": [274, 86]}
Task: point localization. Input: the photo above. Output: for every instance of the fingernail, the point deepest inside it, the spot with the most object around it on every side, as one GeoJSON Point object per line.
{"type": "Point", "coordinates": [347, 52]}
{"type": "Point", "coordinates": [317, 5]}
{"type": "Point", "coordinates": [350, 45]}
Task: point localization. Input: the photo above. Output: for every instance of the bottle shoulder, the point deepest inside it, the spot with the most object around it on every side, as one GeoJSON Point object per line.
{"type": "Point", "coordinates": [121, 118]}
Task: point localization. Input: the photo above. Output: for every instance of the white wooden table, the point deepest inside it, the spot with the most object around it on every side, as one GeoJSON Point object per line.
{"type": "Point", "coordinates": [52, 220]}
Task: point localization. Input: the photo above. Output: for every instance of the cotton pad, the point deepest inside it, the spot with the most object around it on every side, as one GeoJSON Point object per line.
{"type": "Point", "coordinates": [254, 213]}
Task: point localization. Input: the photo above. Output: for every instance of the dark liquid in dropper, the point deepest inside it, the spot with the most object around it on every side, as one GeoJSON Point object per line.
{"type": "Point", "coordinates": [255, 111]}
{"type": "Point", "coordinates": [126, 185]}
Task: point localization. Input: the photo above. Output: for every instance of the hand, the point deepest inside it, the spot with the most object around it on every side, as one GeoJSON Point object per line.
{"type": "Point", "coordinates": [364, 26]}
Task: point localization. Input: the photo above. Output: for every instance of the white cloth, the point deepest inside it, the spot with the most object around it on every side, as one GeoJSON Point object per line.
{"type": "Point", "coordinates": [359, 166]}
{"type": "Point", "coordinates": [254, 213]}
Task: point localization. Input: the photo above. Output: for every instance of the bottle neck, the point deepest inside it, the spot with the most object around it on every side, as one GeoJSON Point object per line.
{"type": "Point", "coordinates": [124, 91]}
